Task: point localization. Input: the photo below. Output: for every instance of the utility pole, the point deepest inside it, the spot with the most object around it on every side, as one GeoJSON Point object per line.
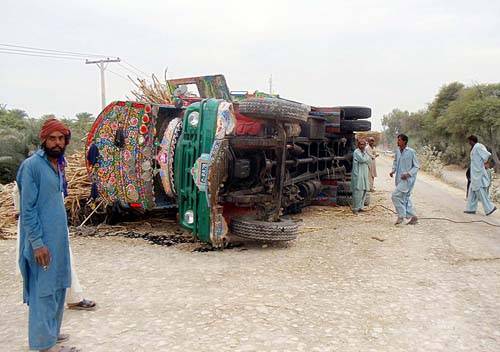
{"type": "Point", "coordinates": [271, 85]}
{"type": "Point", "coordinates": [102, 64]}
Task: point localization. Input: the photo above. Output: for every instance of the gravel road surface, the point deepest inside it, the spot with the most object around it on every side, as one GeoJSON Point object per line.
{"type": "Point", "coordinates": [349, 283]}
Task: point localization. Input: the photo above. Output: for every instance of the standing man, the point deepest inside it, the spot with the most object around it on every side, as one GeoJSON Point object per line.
{"type": "Point", "coordinates": [74, 294]}
{"type": "Point", "coordinates": [360, 183]}
{"type": "Point", "coordinates": [479, 180]}
{"type": "Point", "coordinates": [44, 258]}
{"type": "Point", "coordinates": [370, 150]}
{"type": "Point", "coordinates": [405, 167]}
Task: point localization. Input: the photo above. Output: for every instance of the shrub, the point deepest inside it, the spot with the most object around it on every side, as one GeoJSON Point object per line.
{"type": "Point", "coordinates": [431, 160]}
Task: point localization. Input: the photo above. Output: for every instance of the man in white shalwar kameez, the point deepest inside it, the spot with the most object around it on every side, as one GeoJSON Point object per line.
{"type": "Point", "coordinates": [372, 152]}
{"type": "Point", "coordinates": [479, 180]}
{"type": "Point", "coordinates": [359, 177]}
{"type": "Point", "coordinates": [405, 167]}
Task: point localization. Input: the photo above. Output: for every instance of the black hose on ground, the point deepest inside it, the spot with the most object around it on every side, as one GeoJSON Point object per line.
{"type": "Point", "coordinates": [438, 218]}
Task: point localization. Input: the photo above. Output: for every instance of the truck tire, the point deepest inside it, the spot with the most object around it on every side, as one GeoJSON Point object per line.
{"type": "Point", "coordinates": [343, 186]}
{"type": "Point", "coordinates": [282, 230]}
{"type": "Point", "coordinates": [355, 125]}
{"type": "Point", "coordinates": [344, 200]}
{"type": "Point", "coordinates": [355, 112]}
{"type": "Point", "coordinates": [274, 109]}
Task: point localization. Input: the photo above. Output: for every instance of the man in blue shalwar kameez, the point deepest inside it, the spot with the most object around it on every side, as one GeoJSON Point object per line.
{"type": "Point", "coordinates": [479, 179]}
{"type": "Point", "coordinates": [405, 167]}
{"type": "Point", "coordinates": [360, 182]}
{"type": "Point", "coordinates": [44, 258]}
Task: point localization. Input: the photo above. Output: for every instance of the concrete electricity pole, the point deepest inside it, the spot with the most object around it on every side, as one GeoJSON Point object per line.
{"type": "Point", "coordinates": [102, 66]}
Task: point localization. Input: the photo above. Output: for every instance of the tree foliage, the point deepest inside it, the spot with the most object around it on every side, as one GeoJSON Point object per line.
{"type": "Point", "coordinates": [456, 112]}
{"type": "Point", "coordinates": [19, 137]}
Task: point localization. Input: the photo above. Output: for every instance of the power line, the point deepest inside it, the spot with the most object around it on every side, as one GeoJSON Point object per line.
{"type": "Point", "coordinates": [119, 75]}
{"type": "Point", "coordinates": [37, 55]}
{"type": "Point", "coordinates": [136, 68]}
{"type": "Point", "coordinates": [52, 51]}
{"type": "Point", "coordinates": [135, 72]}
{"type": "Point", "coordinates": [40, 53]}
{"type": "Point", "coordinates": [128, 70]}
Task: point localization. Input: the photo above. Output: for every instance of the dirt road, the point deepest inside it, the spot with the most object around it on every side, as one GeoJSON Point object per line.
{"type": "Point", "coordinates": [349, 283]}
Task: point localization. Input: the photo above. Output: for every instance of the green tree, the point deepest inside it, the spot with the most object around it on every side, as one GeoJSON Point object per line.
{"type": "Point", "coordinates": [19, 137]}
{"type": "Point", "coordinates": [14, 118]}
{"type": "Point", "coordinates": [455, 113]}
{"type": "Point", "coordinates": [394, 124]}
{"type": "Point", "coordinates": [434, 130]}
{"type": "Point", "coordinates": [476, 111]}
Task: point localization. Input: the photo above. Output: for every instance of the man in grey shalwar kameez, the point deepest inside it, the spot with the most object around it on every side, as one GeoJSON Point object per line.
{"type": "Point", "coordinates": [360, 183]}
{"type": "Point", "coordinates": [479, 180]}
{"type": "Point", "coordinates": [44, 259]}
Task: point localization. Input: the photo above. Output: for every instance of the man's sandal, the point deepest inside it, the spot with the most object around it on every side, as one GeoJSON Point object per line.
{"type": "Point", "coordinates": [62, 349]}
{"type": "Point", "coordinates": [68, 349]}
{"type": "Point", "coordinates": [413, 221]}
{"type": "Point", "coordinates": [84, 304]}
{"type": "Point", "coordinates": [62, 338]}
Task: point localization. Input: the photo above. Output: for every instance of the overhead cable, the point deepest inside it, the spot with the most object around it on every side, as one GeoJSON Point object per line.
{"type": "Point", "coordinates": [40, 55]}
{"type": "Point", "coordinates": [53, 51]}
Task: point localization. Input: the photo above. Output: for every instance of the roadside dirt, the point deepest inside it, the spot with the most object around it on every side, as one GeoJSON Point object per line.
{"type": "Point", "coordinates": [349, 283]}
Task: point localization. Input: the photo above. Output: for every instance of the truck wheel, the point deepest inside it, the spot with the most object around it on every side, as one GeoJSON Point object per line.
{"type": "Point", "coordinates": [355, 125]}
{"type": "Point", "coordinates": [355, 112]}
{"type": "Point", "coordinates": [343, 200]}
{"type": "Point", "coordinates": [343, 186]}
{"type": "Point", "coordinates": [282, 230]}
{"type": "Point", "coordinates": [274, 109]}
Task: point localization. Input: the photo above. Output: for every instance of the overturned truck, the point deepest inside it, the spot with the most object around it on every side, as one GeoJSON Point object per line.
{"type": "Point", "coordinates": [231, 163]}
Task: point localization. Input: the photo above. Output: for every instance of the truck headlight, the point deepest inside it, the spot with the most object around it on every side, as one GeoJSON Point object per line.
{"type": "Point", "coordinates": [194, 118]}
{"type": "Point", "coordinates": [189, 217]}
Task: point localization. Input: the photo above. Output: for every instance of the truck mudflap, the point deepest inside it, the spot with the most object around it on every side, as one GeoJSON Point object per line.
{"type": "Point", "coordinates": [200, 168]}
{"type": "Point", "coordinates": [123, 139]}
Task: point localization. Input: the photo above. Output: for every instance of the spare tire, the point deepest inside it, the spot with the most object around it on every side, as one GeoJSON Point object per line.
{"type": "Point", "coordinates": [274, 109]}
{"type": "Point", "coordinates": [282, 230]}
{"type": "Point", "coordinates": [355, 125]}
{"type": "Point", "coordinates": [355, 112]}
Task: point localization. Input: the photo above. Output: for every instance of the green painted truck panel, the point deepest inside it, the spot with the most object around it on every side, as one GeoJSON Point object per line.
{"type": "Point", "coordinates": [191, 165]}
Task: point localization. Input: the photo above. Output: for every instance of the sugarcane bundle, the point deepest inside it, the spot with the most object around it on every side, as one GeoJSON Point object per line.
{"type": "Point", "coordinates": [77, 202]}
{"type": "Point", "coordinates": [78, 188]}
{"type": "Point", "coordinates": [152, 92]}
{"type": "Point", "coordinates": [8, 221]}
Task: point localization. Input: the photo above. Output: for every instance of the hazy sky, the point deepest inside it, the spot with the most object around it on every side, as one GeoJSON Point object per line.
{"type": "Point", "coordinates": [383, 54]}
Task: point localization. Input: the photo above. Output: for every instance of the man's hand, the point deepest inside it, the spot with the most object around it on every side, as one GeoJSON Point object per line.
{"type": "Point", "coordinates": [405, 176]}
{"type": "Point", "coordinates": [42, 256]}
{"type": "Point", "coordinates": [391, 173]}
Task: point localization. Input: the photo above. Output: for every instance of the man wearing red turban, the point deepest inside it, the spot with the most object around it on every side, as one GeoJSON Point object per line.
{"type": "Point", "coordinates": [44, 255]}
{"type": "Point", "coordinates": [53, 128]}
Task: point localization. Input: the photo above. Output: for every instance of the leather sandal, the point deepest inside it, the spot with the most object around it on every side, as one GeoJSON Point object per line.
{"type": "Point", "coordinates": [69, 349]}
{"type": "Point", "coordinates": [84, 304]}
{"type": "Point", "coordinates": [62, 338]}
